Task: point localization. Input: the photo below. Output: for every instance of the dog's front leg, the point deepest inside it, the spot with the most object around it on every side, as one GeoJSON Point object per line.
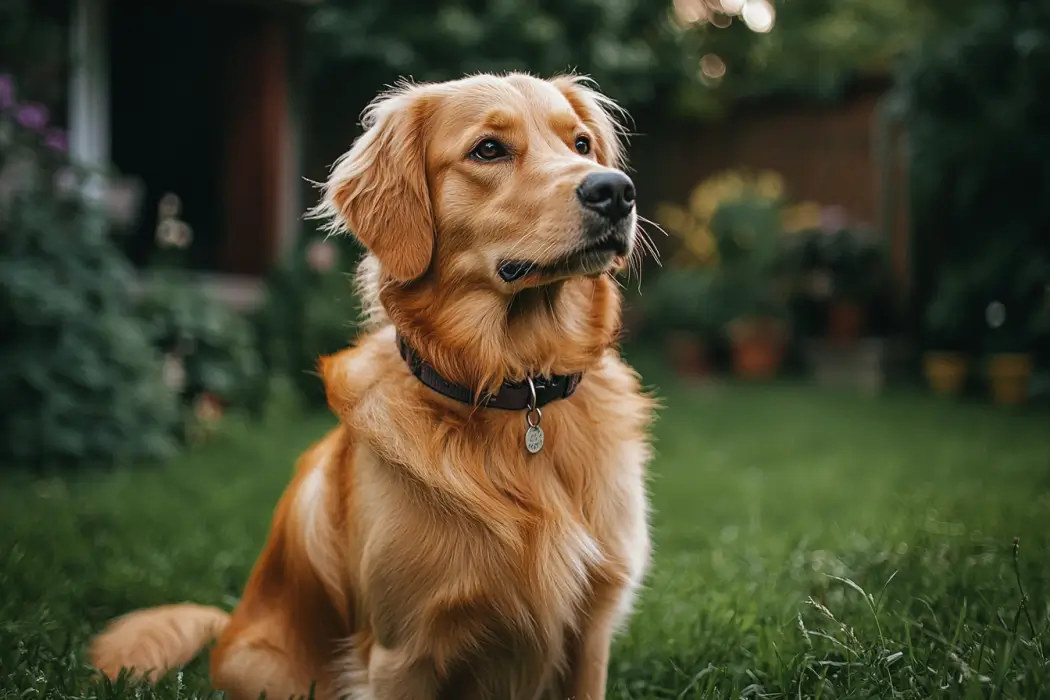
{"type": "Point", "coordinates": [589, 649]}
{"type": "Point", "coordinates": [394, 675]}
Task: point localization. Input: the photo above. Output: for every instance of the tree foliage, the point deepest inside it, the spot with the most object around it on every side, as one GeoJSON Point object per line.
{"type": "Point", "coordinates": [628, 46]}
{"type": "Point", "coordinates": [641, 52]}
{"type": "Point", "coordinates": [815, 49]}
{"type": "Point", "coordinates": [977, 110]}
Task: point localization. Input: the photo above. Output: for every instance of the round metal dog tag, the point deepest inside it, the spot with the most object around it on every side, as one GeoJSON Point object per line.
{"type": "Point", "coordinates": [534, 439]}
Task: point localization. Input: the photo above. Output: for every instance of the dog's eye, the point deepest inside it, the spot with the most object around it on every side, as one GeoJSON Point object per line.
{"type": "Point", "coordinates": [583, 145]}
{"type": "Point", "coordinates": [489, 149]}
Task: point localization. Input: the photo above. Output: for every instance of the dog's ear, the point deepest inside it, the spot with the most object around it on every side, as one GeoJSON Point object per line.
{"type": "Point", "coordinates": [600, 113]}
{"type": "Point", "coordinates": [378, 190]}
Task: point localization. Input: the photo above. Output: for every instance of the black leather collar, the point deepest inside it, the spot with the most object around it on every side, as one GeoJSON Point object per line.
{"type": "Point", "coordinates": [511, 396]}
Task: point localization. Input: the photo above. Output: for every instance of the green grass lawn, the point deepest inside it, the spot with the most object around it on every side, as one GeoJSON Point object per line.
{"type": "Point", "coordinates": [808, 544]}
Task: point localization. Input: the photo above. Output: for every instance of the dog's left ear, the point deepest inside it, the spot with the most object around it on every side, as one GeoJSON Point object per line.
{"type": "Point", "coordinates": [601, 115]}
{"type": "Point", "coordinates": [378, 191]}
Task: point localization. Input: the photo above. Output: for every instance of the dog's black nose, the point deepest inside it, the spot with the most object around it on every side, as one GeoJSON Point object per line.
{"type": "Point", "coordinates": [609, 193]}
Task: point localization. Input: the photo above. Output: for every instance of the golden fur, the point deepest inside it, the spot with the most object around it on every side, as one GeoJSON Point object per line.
{"type": "Point", "coordinates": [420, 552]}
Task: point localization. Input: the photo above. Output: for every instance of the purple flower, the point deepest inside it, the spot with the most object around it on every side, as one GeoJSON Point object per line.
{"type": "Point", "coordinates": [32, 115]}
{"type": "Point", "coordinates": [7, 91]}
{"type": "Point", "coordinates": [56, 139]}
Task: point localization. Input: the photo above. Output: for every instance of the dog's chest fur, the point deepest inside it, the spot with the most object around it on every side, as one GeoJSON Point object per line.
{"type": "Point", "coordinates": [485, 555]}
{"type": "Point", "coordinates": [520, 579]}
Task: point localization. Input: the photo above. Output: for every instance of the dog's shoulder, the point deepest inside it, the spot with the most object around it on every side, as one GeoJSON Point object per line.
{"type": "Point", "coordinates": [348, 375]}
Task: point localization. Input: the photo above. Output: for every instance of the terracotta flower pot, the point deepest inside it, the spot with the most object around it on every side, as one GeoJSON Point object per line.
{"type": "Point", "coordinates": [845, 323]}
{"type": "Point", "coordinates": [758, 347]}
{"type": "Point", "coordinates": [688, 355]}
{"type": "Point", "coordinates": [1009, 374]}
{"type": "Point", "coordinates": [945, 372]}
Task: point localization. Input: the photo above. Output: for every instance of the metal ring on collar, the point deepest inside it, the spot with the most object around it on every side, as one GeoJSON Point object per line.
{"type": "Point", "coordinates": [532, 408]}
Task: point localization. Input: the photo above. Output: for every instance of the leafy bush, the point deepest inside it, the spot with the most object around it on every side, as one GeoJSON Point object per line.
{"type": "Point", "coordinates": [310, 311]}
{"type": "Point", "coordinates": [854, 259]}
{"type": "Point", "coordinates": [79, 378]}
{"type": "Point", "coordinates": [210, 351]}
{"type": "Point", "coordinates": [680, 299]}
{"type": "Point", "coordinates": [952, 317]}
{"type": "Point", "coordinates": [834, 264]}
{"type": "Point", "coordinates": [208, 348]}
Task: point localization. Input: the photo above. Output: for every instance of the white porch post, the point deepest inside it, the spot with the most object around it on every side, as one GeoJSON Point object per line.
{"type": "Point", "coordinates": [89, 84]}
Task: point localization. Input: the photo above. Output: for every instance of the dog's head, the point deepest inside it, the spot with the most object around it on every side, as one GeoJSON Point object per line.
{"type": "Point", "coordinates": [476, 198]}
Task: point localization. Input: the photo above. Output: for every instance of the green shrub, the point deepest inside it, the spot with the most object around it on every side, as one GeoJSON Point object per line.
{"type": "Point", "coordinates": [825, 266]}
{"type": "Point", "coordinates": [684, 300]}
{"type": "Point", "coordinates": [93, 369]}
{"type": "Point", "coordinates": [79, 378]}
{"type": "Point", "coordinates": [749, 234]}
{"type": "Point", "coordinates": [209, 349]}
{"type": "Point", "coordinates": [977, 111]}
{"type": "Point", "coordinates": [310, 311]}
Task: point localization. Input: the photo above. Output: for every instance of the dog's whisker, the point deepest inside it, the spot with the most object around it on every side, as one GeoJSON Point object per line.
{"type": "Point", "coordinates": [654, 253]}
{"type": "Point", "coordinates": [635, 261]}
{"type": "Point", "coordinates": [652, 223]}
{"type": "Point", "coordinates": [643, 231]}
{"type": "Point", "coordinates": [646, 242]}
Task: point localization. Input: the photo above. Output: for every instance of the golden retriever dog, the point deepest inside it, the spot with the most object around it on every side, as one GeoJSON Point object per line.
{"type": "Point", "coordinates": [476, 526]}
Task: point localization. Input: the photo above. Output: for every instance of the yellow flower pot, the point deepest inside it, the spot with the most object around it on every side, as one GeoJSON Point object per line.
{"type": "Point", "coordinates": [945, 372]}
{"type": "Point", "coordinates": [1009, 375]}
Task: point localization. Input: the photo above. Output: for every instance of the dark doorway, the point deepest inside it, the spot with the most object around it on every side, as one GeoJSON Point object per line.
{"type": "Point", "coordinates": [199, 107]}
{"type": "Point", "coordinates": [166, 126]}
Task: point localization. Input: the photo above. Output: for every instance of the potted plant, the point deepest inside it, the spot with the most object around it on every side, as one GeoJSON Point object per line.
{"type": "Point", "coordinates": [747, 230]}
{"type": "Point", "coordinates": [1007, 347]}
{"type": "Point", "coordinates": [758, 331]}
{"type": "Point", "coordinates": [679, 306]}
{"type": "Point", "coordinates": [1013, 285]}
{"type": "Point", "coordinates": [837, 277]}
{"type": "Point", "coordinates": [1009, 373]}
{"type": "Point", "coordinates": [734, 225]}
{"type": "Point", "coordinates": [858, 275]}
{"type": "Point", "coordinates": [948, 318]}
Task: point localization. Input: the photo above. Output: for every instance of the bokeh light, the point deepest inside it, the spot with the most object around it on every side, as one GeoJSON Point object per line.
{"type": "Point", "coordinates": [732, 7]}
{"type": "Point", "coordinates": [721, 21]}
{"type": "Point", "coordinates": [690, 11]}
{"type": "Point", "coordinates": [759, 15]}
{"type": "Point", "coordinates": [995, 314]}
{"type": "Point", "coordinates": [712, 66]}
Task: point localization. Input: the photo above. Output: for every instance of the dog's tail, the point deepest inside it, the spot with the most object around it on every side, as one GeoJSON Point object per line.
{"type": "Point", "coordinates": [156, 640]}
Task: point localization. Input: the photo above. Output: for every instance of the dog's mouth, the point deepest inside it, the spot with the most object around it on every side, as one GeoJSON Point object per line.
{"type": "Point", "coordinates": [592, 258]}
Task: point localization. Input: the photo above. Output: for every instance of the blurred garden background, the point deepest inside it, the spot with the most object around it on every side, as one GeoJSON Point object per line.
{"type": "Point", "coordinates": [846, 315]}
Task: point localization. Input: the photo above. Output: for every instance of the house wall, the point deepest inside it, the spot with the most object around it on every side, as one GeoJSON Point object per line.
{"type": "Point", "coordinates": [828, 154]}
{"type": "Point", "coordinates": [824, 154]}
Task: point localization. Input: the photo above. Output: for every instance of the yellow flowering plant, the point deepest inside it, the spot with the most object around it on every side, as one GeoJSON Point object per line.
{"type": "Point", "coordinates": [734, 229]}
{"type": "Point", "coordinates": [694, 223]}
